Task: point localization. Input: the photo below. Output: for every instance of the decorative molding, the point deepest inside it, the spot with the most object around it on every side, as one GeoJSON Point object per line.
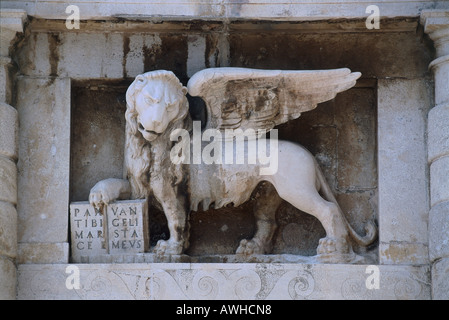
{"type": "Point", "coordinates": [224, 9]}
{"type": "Point", "coordinates": [11, 22]}
{"type": "Point", "coordinates": [436, 25]}
{"type": "Point", "coordinates": [254, 281]}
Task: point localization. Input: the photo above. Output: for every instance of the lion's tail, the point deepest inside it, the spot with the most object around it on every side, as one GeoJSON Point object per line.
{"type": "Point", "coordinates": [370, 226]}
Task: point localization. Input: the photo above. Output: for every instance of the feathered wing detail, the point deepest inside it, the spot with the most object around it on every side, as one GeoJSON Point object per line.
{"type": "Point", "coordinates": [261, 99]}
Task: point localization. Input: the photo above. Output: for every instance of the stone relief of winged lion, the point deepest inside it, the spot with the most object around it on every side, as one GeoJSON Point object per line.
{"type": "Point", "coordinates": [165, 163]}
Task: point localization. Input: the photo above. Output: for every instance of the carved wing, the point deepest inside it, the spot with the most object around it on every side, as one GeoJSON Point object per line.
{"type": "Point", "coordinates": [261, 99]}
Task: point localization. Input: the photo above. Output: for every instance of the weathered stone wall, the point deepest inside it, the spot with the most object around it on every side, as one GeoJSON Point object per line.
{"type": "Point", "coordinates": [436, 24]}
{"type": "Point", "coordinates": [371, 142]}
{"type": "Point", "coordinates": [11, 22]}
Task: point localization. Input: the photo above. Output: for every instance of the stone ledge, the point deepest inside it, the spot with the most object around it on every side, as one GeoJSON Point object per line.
{"type": "Point", "coordinates": [223, 258]}
{"type": "Point", "coordinates": [168, 25]}
{"type": "Point", "coordinates": [44, 159]}
{"type": "Point", "coordinates": [222, 9]}
{"type": "Point", "coordinates": [181, 281]}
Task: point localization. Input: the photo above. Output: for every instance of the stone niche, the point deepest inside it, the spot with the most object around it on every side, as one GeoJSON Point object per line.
{"type": "Point", "coordinates": [370, 142]}
{"type": "Point", "coordinates": [341, 133]}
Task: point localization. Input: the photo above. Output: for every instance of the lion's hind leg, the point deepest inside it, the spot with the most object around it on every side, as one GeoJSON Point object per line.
{"type": "Point", "coordinates": [328, 213]}
{"type": "Point", "coordinates": [296, 182]}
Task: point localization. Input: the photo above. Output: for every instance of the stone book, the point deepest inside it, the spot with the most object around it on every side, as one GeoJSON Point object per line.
{"type": "Point", "coordinates": [122, 227]}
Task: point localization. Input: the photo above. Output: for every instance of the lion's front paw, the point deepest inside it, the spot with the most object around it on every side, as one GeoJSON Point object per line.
{"type": "Point", "coordinates": [330, 245]}
{"type": "Point", "coordinates": [104, 192]}
{"type": "Point", "coordinates": [249, 247]}
{"type": "Point", "coordinates": [164, 247]}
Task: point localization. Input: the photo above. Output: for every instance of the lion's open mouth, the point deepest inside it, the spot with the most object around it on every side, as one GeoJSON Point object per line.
{"type": "Point", "coordinates": [149, 135]}
{"type": "Point", "coordinates": [142, 129]}
{"type": "Point", "coordinates": [153, 132]}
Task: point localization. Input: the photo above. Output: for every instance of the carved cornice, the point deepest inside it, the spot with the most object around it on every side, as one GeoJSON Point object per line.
{"type": "Point", "coordinates": [11, 22]}
{"type": "Point", "coordinates": [185, 10]}
{"type": "Point", "coordinates": [436, 25]}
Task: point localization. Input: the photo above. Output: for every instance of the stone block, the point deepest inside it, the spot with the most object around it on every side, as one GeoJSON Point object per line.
{"type": "Point", "coordinates": [40, 253]}
{"type": "Point", "coordinates": [402, 165]}
{"type": "Point", "coordinates": [128, 226]}
{"type": "Point", "coordinates": [8, 181]}
{"type": "Point", "coordinates": [34, 60]}
{"type": "Point", "coordinates": [196, 54]}
{"type": "Point", "coordinates": [225, 281]}
{"type": "Point", "coordinates": [8, 278]}
{"type": "Point", "coordinates": [439, 177]}
{"type": "Point", "coordinates": [438, 132]}
{"type": "Point", "coordinates": [102, 55]}
{"type": "Point", "coordinates": [402, 54]}
{"type": "Point", "coordinates": [40, 57]}
{"type": "Point", "coordinates": [44, 159]}
{"type": "Point", "coordinates": [8, 230]}
{"type": "Point", "coordinates": [87, 228]}
{"type": "Point", "coordinates": [8, 131]}
{"type": "Point", "coordinates": [90, 55]}
{"type": "Point", "coordinates": [439, 231]}
{"type": "Point", "coordinates": [140, 46]}
{"type": "Point", "coordinates": [121, 229]}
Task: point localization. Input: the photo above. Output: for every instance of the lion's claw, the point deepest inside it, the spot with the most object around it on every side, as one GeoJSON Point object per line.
{"type": "Point", "coordinates": [330, 245]}
{"type": "Point", "coordinates": [164, 247]}
{"type": "Point", "coordinates": [107, 191]}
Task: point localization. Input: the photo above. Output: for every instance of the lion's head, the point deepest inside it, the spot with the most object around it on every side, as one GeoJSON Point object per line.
{"type": "Point", "coordinates": [155, 99]}
{"type": "Point", "coordinates": [156, 104]}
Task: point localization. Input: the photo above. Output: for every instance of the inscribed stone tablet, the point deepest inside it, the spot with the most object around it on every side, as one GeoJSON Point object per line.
{"type": "Point", "coordinates": [128, 226]}
{"type": "Point", "coordinates": [87, 229]}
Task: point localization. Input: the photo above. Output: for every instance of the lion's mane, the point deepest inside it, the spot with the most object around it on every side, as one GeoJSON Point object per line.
{"type": "Point", "coordinates": [143, 158]}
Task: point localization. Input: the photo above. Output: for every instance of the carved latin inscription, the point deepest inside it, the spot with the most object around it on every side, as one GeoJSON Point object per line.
{"type": "Point", "coordinates": [122, 229]}
{"type": "Point", "coordinates": [128, 230]}
{"type": "Point", "coordinates": [87, 228]}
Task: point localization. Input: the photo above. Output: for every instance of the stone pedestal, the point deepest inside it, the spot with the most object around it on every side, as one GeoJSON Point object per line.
{"type": "Point", "coordinates": [436, 24]}
{"type": "Point", "coordinates": [11, 22]}
{"type": "Point", "coordinates": [225, 281]}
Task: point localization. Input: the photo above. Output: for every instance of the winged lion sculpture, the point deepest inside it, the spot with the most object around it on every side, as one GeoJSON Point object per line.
{"type": "Point", "coordinates": [236, 99]}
